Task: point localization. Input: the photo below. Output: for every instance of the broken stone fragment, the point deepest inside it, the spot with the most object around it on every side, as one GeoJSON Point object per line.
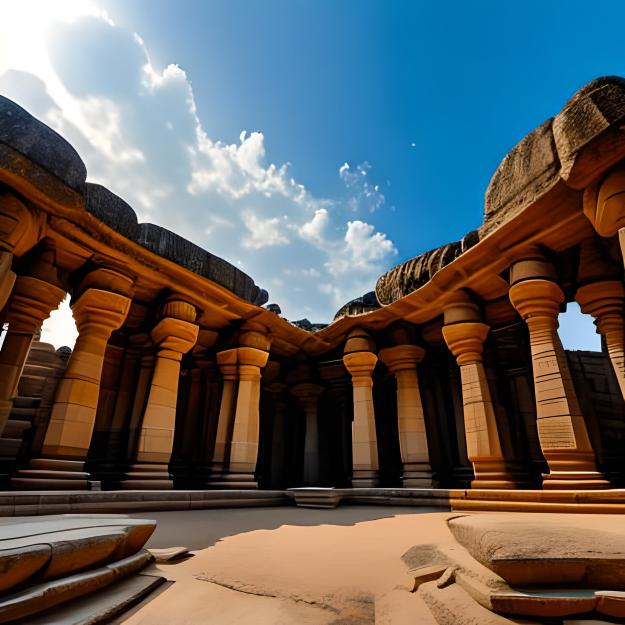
{"type": "Point", "coordinates": [169, 554]}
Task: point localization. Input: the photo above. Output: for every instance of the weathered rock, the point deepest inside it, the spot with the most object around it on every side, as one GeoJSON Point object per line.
{"type": "Point", "coordinates": [111, 210]}
{"type": "Point", "coordinates": [38, 142]}
{"type": "Point", "coordinates": [528, 171]}
{"type": "Point", "coordinates": [177, 249]}
{"type": "Point", "coordinates": [358, 306]}
{"type": "Point", "coordinates": [411, 274]}
{"type": "Point", "coordinates": [588, 132]}
{"type": "Point", "coordinates": [169, 554]}
{"type": "Point", "coordinates": [531, 553]}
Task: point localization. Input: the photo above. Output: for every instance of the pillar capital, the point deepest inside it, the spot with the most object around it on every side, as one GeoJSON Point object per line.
{"type": "Point", "coordinates": [360, 366]}
{"type": "Point", "coordinates": [174, 337]}
{"type": "Point", "coordinates": [113, 280]}
{"type": "Point", "coordinates": [177, 308]}
{"type": "Point", "coordinates": [604, 203]}
{"type": "Point", "coordinates": [465, 340]}
{"type": "Point", "coordinates": [227, 363]}
{"type": "Point", "coordinates": [358, 340]}
{"type": "Point", "coordinates": [401, 357]}
{"type": "Point", "coordinates": [100, 312]}
{"type": "Point", "coordinates": [536, 297]}
{"type": "Point", "coordinates": [254, 334]}
{"type": "Point", "coordinates": [20, 226]}
{"type": "Point", "coordinates": [601, 298]}
{"type": "Point", "coordinates": [32, 302]}
{"type": "Point", "coordinates": [460, 307]}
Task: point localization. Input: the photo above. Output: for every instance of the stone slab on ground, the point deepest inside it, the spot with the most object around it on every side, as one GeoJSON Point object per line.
{"type": "Point", "coordinates": [532, 552]}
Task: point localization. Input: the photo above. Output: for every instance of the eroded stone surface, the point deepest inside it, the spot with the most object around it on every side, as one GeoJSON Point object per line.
{"type": "Point", "coordinates": [531, 553]}
{"type": "Point", "coordinates": [32, 138]}
{"type": "Point", "coordinates": [111, 210]}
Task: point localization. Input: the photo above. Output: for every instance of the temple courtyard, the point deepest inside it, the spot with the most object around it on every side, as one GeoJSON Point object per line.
{"type": "Point", "coordinates": [352, 565]}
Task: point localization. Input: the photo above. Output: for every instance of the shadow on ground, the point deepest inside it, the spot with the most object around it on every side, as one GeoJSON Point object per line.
{"type": "Point", "coordinates": [199, 529]}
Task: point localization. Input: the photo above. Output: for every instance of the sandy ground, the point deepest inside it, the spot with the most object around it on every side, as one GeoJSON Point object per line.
{"type": "Point", "coordinates": [287, 566]}
{"type": "Point", "coordinates": [274, 566]}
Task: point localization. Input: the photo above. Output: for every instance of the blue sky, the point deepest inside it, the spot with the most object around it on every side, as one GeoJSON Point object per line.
{"type": "Point", "coordinates": [314, 144]}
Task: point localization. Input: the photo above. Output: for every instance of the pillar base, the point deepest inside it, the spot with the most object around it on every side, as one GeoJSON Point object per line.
{"type": "Point", "coordinates": [575, 480]}
{"type": "Point", "coordinates": [417, 475]}
{"type": "Point", "coordinates": [148, 477]}
{"type": "Point", "coordinates": [492, 474]}
{"type": "Point", "coordinates": [53, 474]}
{"type": "Point", "coordinates": [365, 479]}
{"type": "Point", "coordinates": [235, 481]}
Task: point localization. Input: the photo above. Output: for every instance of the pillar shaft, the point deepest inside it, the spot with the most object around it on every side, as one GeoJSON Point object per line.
{"type": "Point", "coordinates": [174, 338]}
{"type": "Point", "coordinates": [561, 428]}
{"type": "Point", "coordinates": [465, 340]}
{"type": "Point", "coordinates": [244, 445]}
{"type": "Point", "coordinates": [402, 360]}
{"type": "Point", "coordinates": [364, 439]}
{"type": "Point", "coordinates": [227, 362]}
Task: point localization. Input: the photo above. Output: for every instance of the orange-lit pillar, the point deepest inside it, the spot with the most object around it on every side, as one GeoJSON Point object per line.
{"type": "Point", "coordinates": [561, 428]}
{"type": "Point", "coordinates": [174, 335]}
{"type": "Point", "coordinates": [360, 361]}
{"type": "Point", "coordinates": [464, 334]}
{"type": "Point", "coordinates": [402, 361]}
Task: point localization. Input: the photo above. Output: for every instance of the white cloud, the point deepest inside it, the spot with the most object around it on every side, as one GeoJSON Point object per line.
{"type": "Point", "coordinates": [138, 129]}
{"type": "Point", "coordinates": [365, 195]}
{"type": "Point", "coordinates": [262, 232]}
{"type": "Point", "coordinates": [315, 229]}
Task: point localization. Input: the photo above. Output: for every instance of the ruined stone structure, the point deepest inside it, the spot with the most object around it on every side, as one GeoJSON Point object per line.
{"type": "Point", "coordinates": [451, 375]}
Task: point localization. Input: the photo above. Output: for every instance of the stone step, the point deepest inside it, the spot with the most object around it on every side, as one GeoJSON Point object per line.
{"type": "Point", "coordinates": [28, 413]}
{"type": "Point", "coordinates": [47, 474]}
{"type": "Point", "coordinates": [15, 428]}
{"type": "Point", "coordinates": [57, 465]}
{"type": "Point", "coordinates": [37, 483]}
{"type": "Point", "coordinates": [103, 605]}
{"type": "Point", "coordinates": [43, 596]}
{"type": "Point", "coordinates": [9, 447]}
{"type": "Point", "coordinates": [26, 402]}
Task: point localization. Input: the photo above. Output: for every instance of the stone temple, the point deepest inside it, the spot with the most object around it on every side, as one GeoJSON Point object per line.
{"type": "Point", "coordinates": [447, 386]}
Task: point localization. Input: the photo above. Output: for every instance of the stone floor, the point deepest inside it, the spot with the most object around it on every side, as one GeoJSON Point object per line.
{"type": "Point", "coordinates": [272, 566]}
{"type": "Point", "coordinates": [285, 566]}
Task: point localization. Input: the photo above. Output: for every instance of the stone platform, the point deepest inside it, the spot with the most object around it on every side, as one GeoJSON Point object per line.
{"type": "Point", "coordinates": [15, 503]}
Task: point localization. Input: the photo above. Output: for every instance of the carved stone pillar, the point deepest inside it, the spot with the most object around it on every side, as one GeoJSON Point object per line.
{"type": "Point", "coordinates": [308, 395]}
{"type": "Point", "coordinates": [561, 428]}
{"type": "Point", "coordinates": [360, 361]}
{"type": "Point", "coordinates": [227, 363]}
{"type": "Point", "coordinates": [401, 361]}
{"type": "Point", "coordinates": [174, 335]}
{"type": "Point", "coordinates": [33, 301]}
{"type": "Point", "coordinates": [97, 314]}
{"type": "Point", "coordinates": [465, 335]}
{"type": "Point", "coordinates": [244, 444]}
